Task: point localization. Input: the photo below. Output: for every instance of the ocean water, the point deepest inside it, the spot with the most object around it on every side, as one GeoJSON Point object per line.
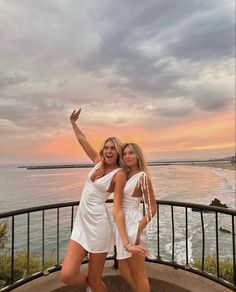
{"type": "Point", "coordinates": [22, 188]}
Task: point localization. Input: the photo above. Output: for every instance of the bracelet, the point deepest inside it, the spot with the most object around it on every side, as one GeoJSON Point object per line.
{"type": "Point", "coordinates": [127, 245]}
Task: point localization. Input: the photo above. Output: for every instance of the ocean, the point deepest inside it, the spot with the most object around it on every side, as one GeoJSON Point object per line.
{"type": "Point", "coordinates": [22, 188]}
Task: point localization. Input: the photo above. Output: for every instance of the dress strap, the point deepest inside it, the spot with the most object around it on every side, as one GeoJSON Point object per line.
{"type": "Point", "coordinates": [133, 182]}
{"type": "Point", "coordinates": [95, 167]}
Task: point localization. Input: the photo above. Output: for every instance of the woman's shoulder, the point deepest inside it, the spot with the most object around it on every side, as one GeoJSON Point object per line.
{"type": "Point", "coordinates": [98, 163]}
{"type": "Point", "coordinates": [120, 174]}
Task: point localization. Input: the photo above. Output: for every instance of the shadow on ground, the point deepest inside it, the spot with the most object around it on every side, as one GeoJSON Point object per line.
{"type": "Point", "coordinates": [118, 284]}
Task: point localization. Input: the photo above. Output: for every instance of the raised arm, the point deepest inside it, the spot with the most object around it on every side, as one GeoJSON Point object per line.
{"type": "Point", "coordinates": [151, 202]}
{"type": "Point", "coordinates": [89, 150]}
{"type": "Point", "coordinates": [120, 180]}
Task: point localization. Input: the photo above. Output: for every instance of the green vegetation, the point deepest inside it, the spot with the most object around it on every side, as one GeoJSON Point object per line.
{"type": "Point", "coordinates": [225, 267]}
{"type": "Point", "coordinates": [20, 266]}
{"type": "Point", "coordinates": [20, 261]}
{"type": "Point", "coordinates": [3, 233]}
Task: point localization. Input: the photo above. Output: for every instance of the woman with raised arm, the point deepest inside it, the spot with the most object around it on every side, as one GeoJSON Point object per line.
{"type": "Point", "coordinates": [92, 231]}
{"type": "Point", "coordinates": [138, 186]}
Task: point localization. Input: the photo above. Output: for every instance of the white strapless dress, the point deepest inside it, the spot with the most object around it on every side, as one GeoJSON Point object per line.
{"type": "Point", "coordinates": [93, 228]}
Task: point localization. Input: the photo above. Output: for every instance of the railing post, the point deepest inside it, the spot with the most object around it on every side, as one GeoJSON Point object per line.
{"type": "Point", "coordinates": [217, 248]}
{"type": "Point", "coordinates": [12, 248]}
{"type": "Point", "coordinates": [116, 264]}
{"type": "Point", "coordinates": [57, 236]}
{"type": "Point", "coordinates": [158, 231]}
{"type": "Point", "coordinates": [72, 219]}
{"type": "Point", "coordinates": [186, 233]}
{"type": "Point", "coordinates": [234, 253]}
{"type": "Point", "coordinates": [203, 242]}
{"type": "Point", "coordinates": [43, 232]}
{"type": "Point", "coordinates": [28, 239]}
{"type": "Point", "coordinates": [173, 234]}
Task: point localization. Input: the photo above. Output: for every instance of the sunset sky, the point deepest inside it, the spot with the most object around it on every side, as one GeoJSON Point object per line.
{"type": "Point", "coordinates": [160, 73]}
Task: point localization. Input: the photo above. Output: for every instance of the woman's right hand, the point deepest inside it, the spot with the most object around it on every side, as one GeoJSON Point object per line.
{"type": "Point", "coordinates": [75, 115]}
{"type": "Point", "coordinates": [97, 173]}
{"type": "Point", "coordinates": [138, 249]}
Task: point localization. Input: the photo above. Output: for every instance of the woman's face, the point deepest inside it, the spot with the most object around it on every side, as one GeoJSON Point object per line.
{"type": "Point", "coordinates": [129, 156]}
{"type": "Point", "coordinates": [109, 153]}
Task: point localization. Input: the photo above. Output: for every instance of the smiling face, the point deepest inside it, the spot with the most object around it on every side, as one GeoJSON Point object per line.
{"type": "Point", "coordinates": [129, 156]}
{"type": "Point", "coordinates": [109, 152]}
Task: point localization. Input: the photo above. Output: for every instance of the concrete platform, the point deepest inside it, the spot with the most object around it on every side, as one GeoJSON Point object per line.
{"type": "Point", "coordinates": [162, 279]}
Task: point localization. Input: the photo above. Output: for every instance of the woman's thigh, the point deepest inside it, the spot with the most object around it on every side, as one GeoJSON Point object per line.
{"type": "Point", "coordinates": [125, 272]}
{"type": "Point", "coordinates": [137, 266]}
{"type": "Point", "coordinates": [74, 257]}
{"type": "Point", "coordinates": [96, 265]}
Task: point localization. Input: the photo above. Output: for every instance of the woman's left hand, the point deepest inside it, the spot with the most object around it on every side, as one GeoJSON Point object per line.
{"type": "Point", "coordinates": [138, 249]}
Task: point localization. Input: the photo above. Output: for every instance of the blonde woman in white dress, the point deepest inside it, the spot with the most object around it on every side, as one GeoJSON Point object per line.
{"type": "Point", "coordinates": [138, 187]}
{"type": "Point", "coordinates": [92, 231]}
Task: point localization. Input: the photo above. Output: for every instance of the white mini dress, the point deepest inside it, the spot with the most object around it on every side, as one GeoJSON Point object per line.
{"type": "Point", "coordinates": [132, 215]}
{"type": "Point", "coordinates": [92, 228]}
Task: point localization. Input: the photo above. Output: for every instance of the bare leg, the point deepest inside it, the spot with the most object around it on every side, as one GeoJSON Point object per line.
{"type": "Point", "coordinates": [137, 268]}
{"type": "Point", "coordinates": [70, 272]}
{"type": "Point", "coordinates": [126, 273]}
{"type": "Point", "coordinates": [95, 269]}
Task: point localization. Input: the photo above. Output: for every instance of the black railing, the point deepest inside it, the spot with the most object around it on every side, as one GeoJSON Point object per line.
{"type": "Point", "coordinates": [185, 264]}
{"type": "Point", "coordinates": [180, 209]}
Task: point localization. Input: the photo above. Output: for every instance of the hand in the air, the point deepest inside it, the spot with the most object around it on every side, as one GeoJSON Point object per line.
{"type": "Point", "coordinates": [75, 115]}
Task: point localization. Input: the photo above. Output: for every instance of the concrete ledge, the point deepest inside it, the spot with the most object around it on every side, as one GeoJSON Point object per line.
{"type": "Point", "coordinates": [183, 279]}
{"type": "Point", "coordinates": [162, 279]}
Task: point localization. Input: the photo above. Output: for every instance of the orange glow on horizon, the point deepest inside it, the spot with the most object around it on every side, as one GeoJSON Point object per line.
{"type": "Point", "coordinates": [216, 132]}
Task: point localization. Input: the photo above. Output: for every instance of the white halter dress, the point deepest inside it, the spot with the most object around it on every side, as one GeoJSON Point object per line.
{"type": "Point", "coordinates": [133, 213]}
{"type": "Point", "coordinates": [92, 228]}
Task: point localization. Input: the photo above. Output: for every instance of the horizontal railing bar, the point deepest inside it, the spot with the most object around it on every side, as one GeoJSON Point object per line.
{"type": "Point", "coordinates": [38, 208]}
{"type": "Point", "coordinates": [228, 211]}
{"type": "Point", "coordinates": [186, 205]}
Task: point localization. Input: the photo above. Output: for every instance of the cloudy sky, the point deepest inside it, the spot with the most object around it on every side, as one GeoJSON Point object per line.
{"type": "Point", "coordinates": [157, 72]}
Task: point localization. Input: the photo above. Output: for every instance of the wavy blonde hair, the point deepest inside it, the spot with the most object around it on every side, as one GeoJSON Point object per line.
{"type": "Point", "coordinates": [118, 146]}
{"type": "Point", "coordinates": [142, 164]}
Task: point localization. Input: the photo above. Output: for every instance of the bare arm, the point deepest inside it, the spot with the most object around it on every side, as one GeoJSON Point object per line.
{"type": "Point", "coordinates": [117, 211]}
{"type": "Point", "coordinates": [89, 150]}
{"type": "Point", "coordinates": [120, 180]}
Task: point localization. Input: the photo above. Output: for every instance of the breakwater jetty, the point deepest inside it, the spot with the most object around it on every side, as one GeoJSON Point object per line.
{"type": "Point", "coordinates": [150, 163]}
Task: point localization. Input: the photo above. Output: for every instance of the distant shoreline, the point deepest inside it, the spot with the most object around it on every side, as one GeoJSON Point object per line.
{"type": "Point", "coordinates": [216, 164]}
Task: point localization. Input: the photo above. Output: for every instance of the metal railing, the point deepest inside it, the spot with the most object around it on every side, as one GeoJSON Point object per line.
{"type": "Point", "coordinates": [183, 208]}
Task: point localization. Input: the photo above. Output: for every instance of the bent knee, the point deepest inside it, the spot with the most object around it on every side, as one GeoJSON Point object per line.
{"type": "Point", "coordinates": [140, 278]}
{"type": "Point", "coordinates": [66, 276]}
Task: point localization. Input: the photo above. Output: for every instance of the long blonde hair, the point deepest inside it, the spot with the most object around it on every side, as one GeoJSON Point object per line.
{"type": "Point", "coordinates": [118, 145]}
{"type": "Point", "coordinates": [142, 164]}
